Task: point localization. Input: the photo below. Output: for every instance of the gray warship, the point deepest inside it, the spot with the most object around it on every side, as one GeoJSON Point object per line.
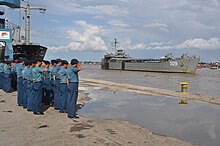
{"type": "Point", "coordinates": [119, 60]}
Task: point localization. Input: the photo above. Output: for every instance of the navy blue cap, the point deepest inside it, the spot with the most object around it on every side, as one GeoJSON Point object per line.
{"type": "Point", "coordinates": [53, 61]}
{"type": "Point", "coordinates": [33, 61]}
{"type": "Point", "coordinates": [38, 60]}
{"type": "Point", "coordinates": [21, 59]}
{"type": "Point", "coordinates": [59, 60]}
{"type": "Point", "coordinates": [46, 62]}
{"type": "Point", "coordinates": [74, 61]}
{"type": "Point", "coordinates": [27, 62]}
{"type": "Point", "coordinates": [30, 62]}
{"type": "Point", "coordinates": [64, 62]}
{"type": "Point", "coordinates": [8, 62]}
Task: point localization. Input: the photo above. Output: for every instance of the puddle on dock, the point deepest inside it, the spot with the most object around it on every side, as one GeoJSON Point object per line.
{"type": "Point", "coordinates": [198, 123]}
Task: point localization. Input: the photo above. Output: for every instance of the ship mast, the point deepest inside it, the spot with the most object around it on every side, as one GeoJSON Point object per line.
{"type": "Point", "coordinates": [114, 46]}
{"type": "Point", "coordinates": [27, 25]}
{"type": "Point", "coordinates": [115, 43]}
{"type": "Point", "coordinates": [27, 9]}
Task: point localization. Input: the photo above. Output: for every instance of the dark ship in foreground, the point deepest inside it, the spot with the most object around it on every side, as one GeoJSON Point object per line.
{"type": "Point", "coordinates": [121, 61]}
{"type": "Point", "coordinates": [11, 46]}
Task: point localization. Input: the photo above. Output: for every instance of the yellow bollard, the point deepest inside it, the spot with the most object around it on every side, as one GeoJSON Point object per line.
{"type": "Point", "coordinates": [184, 87]}
{"type": "Point", "coordinates": [183, 90]}
{"type": "Point", "coordinates": [183, 102]}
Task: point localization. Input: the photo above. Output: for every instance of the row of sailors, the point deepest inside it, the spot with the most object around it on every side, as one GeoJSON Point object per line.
{"type": "Point", "coordinates": [40, 81]}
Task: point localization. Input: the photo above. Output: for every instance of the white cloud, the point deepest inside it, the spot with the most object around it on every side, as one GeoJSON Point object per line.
{"type": "Point", "coordinates": [98, 17]}
{"type": "Point", "coordinates": [153, 46]}
{"type": "Point", "coordinates": [165, 47]}
{"type": "Point", "coordinates": [184, 22]}
{"type": "Point", "coordinates": [139, 46]}
{"type": "Point", "coordinates": [155, 25]}
{"type": "Point", "coordinates": [81, 8]}
{"type": "Point", "coordinates": [89, 39]}
{"type": "Point", "coordinates": [110, 10]}
{"type": "Point", "coordinates": [211, 44]}
{"type": "Point", "coordinates": [216, 3]}
{"type": "Point", "coordinates": [118, 23]}
{"type": "Point", "coordinates": [54, 20]}
{"type": "Point", "coordinates": [144, 46]}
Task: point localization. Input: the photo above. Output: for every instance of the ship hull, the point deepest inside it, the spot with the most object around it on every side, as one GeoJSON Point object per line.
{"type": "Point", "coordinates": [29, 52]}
{"type": "Point", "coordinates": [187, 65]}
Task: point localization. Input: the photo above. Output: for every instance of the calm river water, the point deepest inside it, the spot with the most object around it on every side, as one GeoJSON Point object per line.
{"type": "Point", "coordinates": [204, 82]}
{"type": "Point", "coordinates": [198, 123]}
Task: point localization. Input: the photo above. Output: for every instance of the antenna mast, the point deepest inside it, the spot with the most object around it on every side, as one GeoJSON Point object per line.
{"type": "Point", "coordinates": [115, 43]}
{"type": "Point", "coordinates": [27, 9]}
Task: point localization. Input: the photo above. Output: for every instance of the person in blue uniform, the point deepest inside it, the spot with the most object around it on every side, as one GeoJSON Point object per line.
{"type": "Point", "coordinates": [4, 76]}
{"type": "Point", "coordinates": [14, 75]}
{"type": "Point", "coordinates": [25, 84]}
{"type": "Point", "coordinates": [73, 87]}
{"type": "Point", "coordinates": [56, 83]}
{"type": "Point", "coordinates": [18, 69]}
{"type": "Point", "coordinates": [7, 77]}
{"type": "Point", "coordinates": [1, 74]}
{"type": "Point", "coordinates": [46, 84]}
{"type": "Point", "coordinates": [37, 73]}
{"type": "Point", "coordinates": [52, 65]}
{"type": "Point", "coordinates": [64, 82]}
{"type": "Point", "coordinates": [32, 64]}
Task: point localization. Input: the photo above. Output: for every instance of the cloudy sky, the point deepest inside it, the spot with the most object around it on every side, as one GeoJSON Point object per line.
{"type": "Point", "coordinates": [85, 29]}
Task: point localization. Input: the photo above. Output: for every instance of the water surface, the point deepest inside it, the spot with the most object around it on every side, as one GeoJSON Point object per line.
{"type": "Point", "coordinates": [198, 123]}
{"type": "Point", "coordinates": [204, 82]}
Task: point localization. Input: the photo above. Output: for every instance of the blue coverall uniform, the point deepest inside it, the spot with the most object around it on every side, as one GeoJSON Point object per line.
{"type": "Point", "coordinates": [7, 79]}
{"type": "Point", "coordinates": [1, 74]}
{"type": "Point", "coordinates": [18, 70]}
{"type": "Point", "coordinates": [56, 86]}
{"type": "Point", "coordinates": [29, 89]}
{"type": "Point", "coordinates": [63, 91]}
{"type": "Point", "coordinates": [72, 91]}
{"type": "Point", "coordinates": [46, 88]}
{"type": "Point", "coordinates": [14, 76]}
{"type": "Point", "coordinates": [37, 73]}
{"type": "Point", "coordinates": [25, 84]}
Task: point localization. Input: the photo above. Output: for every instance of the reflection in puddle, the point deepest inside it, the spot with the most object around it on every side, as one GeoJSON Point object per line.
{"type": "Point", "coordinates": [198, 123]}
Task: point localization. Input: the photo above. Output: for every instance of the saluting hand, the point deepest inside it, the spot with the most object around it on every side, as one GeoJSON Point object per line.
{"type": "Point", "coordinates": [79, 67]}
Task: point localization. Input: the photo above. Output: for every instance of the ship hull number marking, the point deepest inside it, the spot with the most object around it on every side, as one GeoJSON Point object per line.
{"type": "Point", "coordinates": [173, 63]}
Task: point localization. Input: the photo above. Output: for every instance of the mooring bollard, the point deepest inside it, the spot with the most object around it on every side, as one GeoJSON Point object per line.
{"type": "Point", "coordinates": [184, 87]}
{"type": "Point", "coordinates": [183, 90]}
{"type": "Point", "coordinates": [183, 102]}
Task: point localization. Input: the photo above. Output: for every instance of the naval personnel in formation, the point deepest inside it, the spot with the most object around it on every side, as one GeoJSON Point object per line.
{"type": "Point", "coordinates": [41, 82]}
